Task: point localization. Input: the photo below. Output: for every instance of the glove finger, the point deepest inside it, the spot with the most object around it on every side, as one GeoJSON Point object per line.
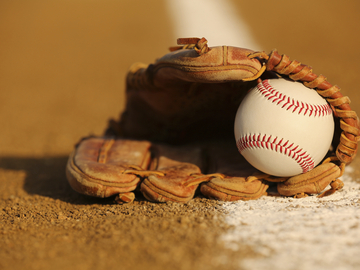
{"type": "Point", "coordinates": [237, 182]}
{"type": "Point", "coordinates": [179, 165]}
{"type": "Point", "coordinates": [312, 182]}
{"type": "Point", "coordinates": [233, 189]}
{"type": "Point", "coordinates": [99, 166]}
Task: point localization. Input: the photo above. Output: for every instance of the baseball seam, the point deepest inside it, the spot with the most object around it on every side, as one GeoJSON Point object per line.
{"type": "Point", "coordinates": [289, 103]}
{"type": "Point", "coordinates": [279, 145]}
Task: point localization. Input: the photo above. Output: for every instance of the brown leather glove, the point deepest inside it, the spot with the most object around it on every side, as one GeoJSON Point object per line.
{"type": "Point", "coordinates": [177, 130]}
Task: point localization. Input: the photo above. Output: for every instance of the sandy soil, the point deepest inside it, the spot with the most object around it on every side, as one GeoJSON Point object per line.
{"type": "Point", "coordinates": [62, 67]}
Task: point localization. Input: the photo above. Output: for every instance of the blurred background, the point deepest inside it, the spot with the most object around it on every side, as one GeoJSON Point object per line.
{"type": "Point", "coordinates": [63, 63]}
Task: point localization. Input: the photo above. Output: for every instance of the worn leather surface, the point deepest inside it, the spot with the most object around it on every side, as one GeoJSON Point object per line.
{"type": "Point", "coordinates": [97, 167]}
{"type": "Point", "coordinates": [103, 167]}
{"type": "Point", "coordinates": [312, 182]}
{"type": "Point", "coordinates": [238, 180]}
{"type": "Point", "coordinates": [180, 165]}
{"type": "Point", "coordinates": [184, 96]}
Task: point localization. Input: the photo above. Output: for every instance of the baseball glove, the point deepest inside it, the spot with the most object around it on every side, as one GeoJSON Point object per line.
{"type": "Point", "coordinates": [176, 132]}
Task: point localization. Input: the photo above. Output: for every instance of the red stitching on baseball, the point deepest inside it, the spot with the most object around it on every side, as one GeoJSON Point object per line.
{"type": "Point", "coordinates": [276, 97]}
{"type": "Point", "coordinates": [295, 152]}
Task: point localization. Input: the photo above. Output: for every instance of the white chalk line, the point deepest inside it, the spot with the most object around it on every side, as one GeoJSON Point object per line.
{"type": "Point", "coordinates": [216, 20]}
{"type": "Point", "coordinates": [302, 233]}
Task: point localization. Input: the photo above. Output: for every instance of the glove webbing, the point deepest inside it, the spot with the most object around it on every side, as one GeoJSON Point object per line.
{"type": "Point", "coordinates": [349, 121]}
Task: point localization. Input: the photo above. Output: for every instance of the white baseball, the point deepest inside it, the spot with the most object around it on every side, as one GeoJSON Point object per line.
{"type": "Point", "coordinates": [283, 128]}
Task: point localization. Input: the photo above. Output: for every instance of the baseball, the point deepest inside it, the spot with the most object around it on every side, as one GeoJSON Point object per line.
{"type": "Point", "coordinates": [283, 128]}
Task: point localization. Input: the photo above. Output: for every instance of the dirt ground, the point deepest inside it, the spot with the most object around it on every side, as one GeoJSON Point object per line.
{"type": "Point", "coordinates": [62, 70]}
